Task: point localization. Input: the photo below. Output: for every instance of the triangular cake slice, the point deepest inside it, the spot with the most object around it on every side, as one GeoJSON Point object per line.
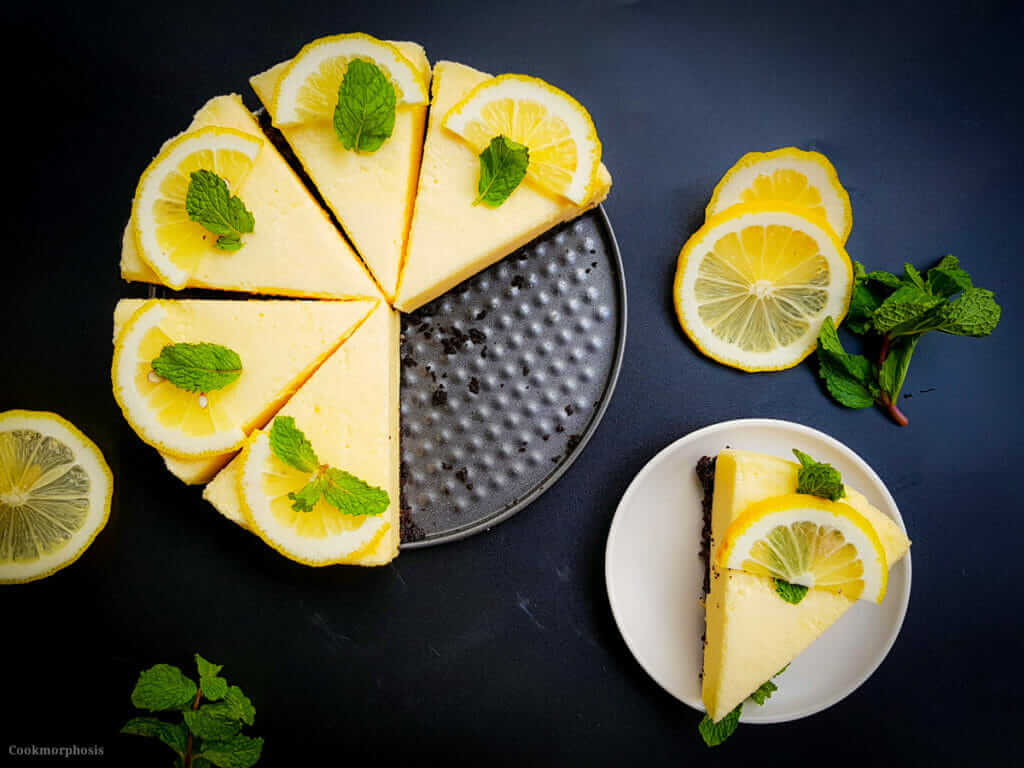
{"type": "Point", "coordinates": [349, 411]}
{"type": "Point", "coordinates": [450, 238]}
{"type": "Point", "coordinates": [281, 343]}
{"type": "Point", "coordinates": [294, 250]}
{"type": "Point", "coordinates": [371, 194]}
{"type": "Point", "coordinates": [752, 633]}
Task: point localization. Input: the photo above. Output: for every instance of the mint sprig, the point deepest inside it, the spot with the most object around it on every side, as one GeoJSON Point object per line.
{"type": "Point", "coordinates": [893, 313]}
{"type": "Point", "coordinates": [364, 117]}
{"type": "Point", "coordinates": [817, 478]}
{"type": "Point", "coordinates": [202, 367]}
{"type": "Point", "coordinates": [715, 733]}
{"type": "Point", "coordinates": [503, 165]}
{"type": "Point", "coordinates": [210, 203]}
{"type": "Point", "coordinates": [342, 490]}
{"type": "Point", "coordinates": [791, 593]}
{"type": "Point", "coordinates": [208, 733]}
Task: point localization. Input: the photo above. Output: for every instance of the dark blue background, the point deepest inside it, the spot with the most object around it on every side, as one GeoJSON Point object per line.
{"type": "Point", "coordinates": [503, 647]}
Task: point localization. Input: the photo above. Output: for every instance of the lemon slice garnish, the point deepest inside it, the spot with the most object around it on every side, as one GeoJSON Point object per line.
{"type": "Point", "coordinates": [168, 240]}
{"type": "Point", "coordinates": [788, 175]}
{"type": "Point", "coordinates": [322, 536]}
{"type": "Point", "coordinates": [565, 152]}
{"type": "Point", "coordinates": [755, 283]}
{"type": "Point", "coordinates": [810, 541]}
{"type": "Point", "coordinates": [308, 88]}
{"type": "Point", "coordinates": [55, 492]}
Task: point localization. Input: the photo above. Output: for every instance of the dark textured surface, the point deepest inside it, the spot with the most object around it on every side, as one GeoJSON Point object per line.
{"type": "Point", "coordinates": [501, 649]}
{"type": "Point", "coordinates": [505, 377]}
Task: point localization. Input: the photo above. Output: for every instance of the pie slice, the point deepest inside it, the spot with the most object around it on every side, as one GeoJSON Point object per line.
{"type": "Point", "coordinates": [348, 410]}
{"type": "Point", "coordinates": [280, 344]}
{"type": "Point", "coordinates": [294, 249]}
{"type": "Point", "coordinates": [371, 194]}
{"type": "Point", "coordinates": [451, 239]}
{"type": "Point", "coordinates": [752, 633]}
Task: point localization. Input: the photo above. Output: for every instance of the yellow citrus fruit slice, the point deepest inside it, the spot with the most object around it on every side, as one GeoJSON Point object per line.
{"type": "Point", "coordinates": [565, 152]}
{"type": "Point", "coordinates": [787, 175]}
{"type": "Point", "coordinates": [55, 492]}
{"type": "Point", "coordinates": [809, 541]}
{"type": "Point", "coordinates": [308, 88]}
{"type": "Point", "coordinates": [755, 283]}
{"type": "Point", "coordinates": [187, 425]}
{"type": "Point", "coordinates": [322, 536]}
{"type": "Point", "coordinates": [168, 240]}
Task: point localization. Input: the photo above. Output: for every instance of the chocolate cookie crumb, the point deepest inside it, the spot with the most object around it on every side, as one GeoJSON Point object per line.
{"type": "Point", "coordinates": [408, 529]}
{"type": "Point", "coordinates": [474, 385]}
{"type": "Point", "coordinates": [706, 477]}
{"type": "Point", "coordinates": [440, 396]}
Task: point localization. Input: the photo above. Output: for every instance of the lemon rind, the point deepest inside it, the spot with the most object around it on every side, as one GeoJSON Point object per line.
{"type": "Point", "coordinates": [86, 451]}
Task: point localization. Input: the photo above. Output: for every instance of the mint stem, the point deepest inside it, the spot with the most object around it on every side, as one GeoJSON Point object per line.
{"type": "Point", "coordinates": [885, 400]}
{"type": "Point", "coordinates": [188, 745]}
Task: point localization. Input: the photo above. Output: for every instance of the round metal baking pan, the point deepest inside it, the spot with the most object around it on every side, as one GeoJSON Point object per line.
{"type": "Point", "coordinates": [506, 377]}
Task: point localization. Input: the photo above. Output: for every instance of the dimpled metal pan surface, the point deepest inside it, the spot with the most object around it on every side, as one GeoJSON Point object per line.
{"type": "Point", "coordinates": [506, 377]}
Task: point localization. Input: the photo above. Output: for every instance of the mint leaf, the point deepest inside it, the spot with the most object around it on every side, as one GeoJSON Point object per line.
{"type": "Point", "coordinates": [306, 498]}
{"type": "Point", "coordinates": [887, 279]}
{"type": "Point", "coordinates": [975, 313]}
{"type": "Point", "coordinates": [715, 733]}
{"type": "Point", "coordinates": [762, 694]}
{"type": "Point", "coordinates": [818, 479]}
{"type": "Point", "coordinates": [163, 687]}
{"type": "Point", "coordinates": [364, 116]}
{"type": "Point", "coordinates": [352, 496]}
{"type": "Point", "coordinates": [173, 735]}
{"type": "Point", "coordinates": [290, 445]}
{"type": "Point", "coordinates": [894, 369]}
{"type": "Point", "coordinates": [791, 593]}
{"type": "Point", "coordinates": [202, 367]}
{"type": "Point", "coordinates": [850, 379]}
{"type": "Point", "coordinates": [907, 310]}
{"type": "Point", "coordinates": [240, 706]}
{"type": "Point", "coordinates": [212, 721]}
{"type": "Point", "coordinates": [913, 276]}
{"type": "Point", "coordinates": [210, 203]}
{"type": "Point", "coordinates": [212, 685]}
{"type": "Point", "coordinates": [503, 166]}
{"type": "Point", "coordinates": [239, 751]}
{"type": "Point", "coordinates": [947, 277]}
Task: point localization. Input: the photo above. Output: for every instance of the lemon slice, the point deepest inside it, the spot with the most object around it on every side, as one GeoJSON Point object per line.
{"type": "Point", "coordinates": [565, 152]}
{"type": "Point", "coordinates": [323, 536]}
{"type": "Point", "coordinates": [755, 283]}
{"type": "Point", "coordinates": [308, 88]}
{"type": "Point", "coordinates": [168, 240]}
{"type": "Point", "coordinates": [55, 491]}
{"type": "Point", "coordinates": [810, 541]}
{"type": "Point", "coordinates": [787, 175]}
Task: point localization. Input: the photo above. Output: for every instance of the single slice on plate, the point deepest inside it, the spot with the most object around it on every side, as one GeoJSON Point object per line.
{"type": "Point", "coordinates": [280, 344]}
{"type": "Point", "coordinates": [788, 175]}
{"type": "Point", "coordinates": [348, 410]}
{"type": "Point", "coordinates": [755, 283]}
{"type": "Point", "coordinates": [752, 632]}
{"type": "Point", "coordinates": [370, 193]}
{"type": "Point", "coordinates": [452, 239]}
{"type": "Point", "coordinates": [55, 492]}
{"type": "Point", "coordinates": [293, 248]}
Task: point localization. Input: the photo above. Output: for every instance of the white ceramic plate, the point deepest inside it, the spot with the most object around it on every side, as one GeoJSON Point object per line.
{"type": "Point", "coordinates": [654, 574]}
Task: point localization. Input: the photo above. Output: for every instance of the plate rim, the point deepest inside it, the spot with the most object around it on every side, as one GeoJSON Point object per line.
{"type": "Point", "coordinates": [480, 526]}
{"type": "Point", "coordinates": [723, 426]}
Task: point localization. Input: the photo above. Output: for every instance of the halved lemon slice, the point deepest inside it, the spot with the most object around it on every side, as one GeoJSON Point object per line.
{"type": "Point", "coordinates": [55, 492]}
{"type": "Point", "coordinates": [810, 541]}
{"type": "Point", "coordinates": [168, 240]}
{"type": "Point", "coordinates": [787, 175]}
{"type": "Point", "coordinates": [185, 424]}
{"type": "Point", "coordinates": [565, 152]}
{"type": "Point", "coordinates": [755, 283]}
{"type": "Point", "coordinates": [323, 536]}
{"type": "Point", "coordinates": [308, 88]}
